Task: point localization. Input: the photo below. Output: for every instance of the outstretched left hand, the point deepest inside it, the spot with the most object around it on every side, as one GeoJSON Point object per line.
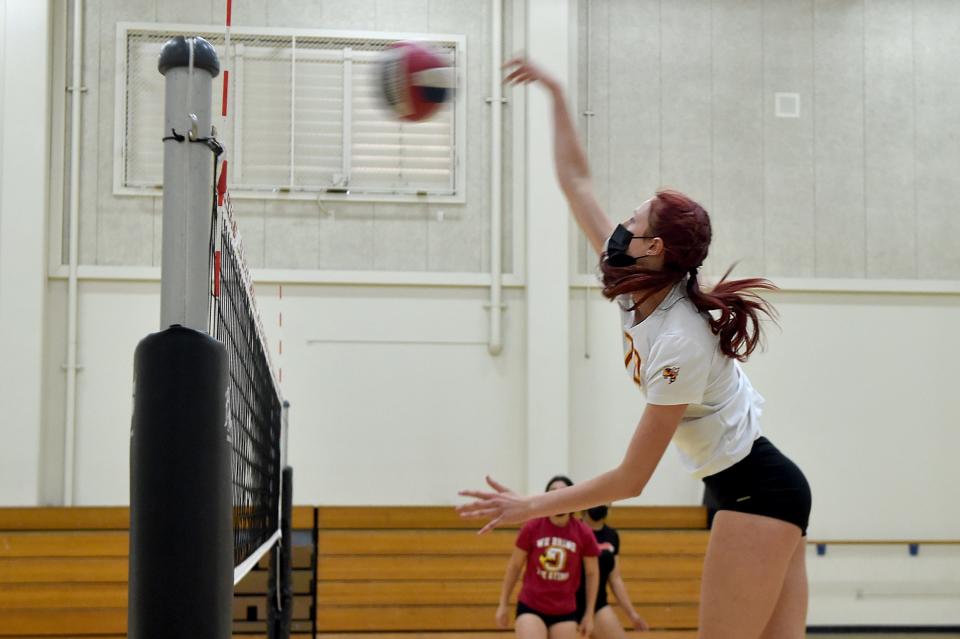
{"type": "Point", "coordinates": [502, 507]}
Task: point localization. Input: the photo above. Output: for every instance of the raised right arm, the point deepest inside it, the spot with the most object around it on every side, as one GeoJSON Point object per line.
{"type": "Point", "coordinates": [570, 158]}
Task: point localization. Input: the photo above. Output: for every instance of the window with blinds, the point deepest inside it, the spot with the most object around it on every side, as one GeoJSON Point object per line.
{"type": "Point", "coordinates": [305, 117]}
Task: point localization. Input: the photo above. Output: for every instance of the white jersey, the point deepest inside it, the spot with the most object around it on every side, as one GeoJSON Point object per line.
{"type": "Point", "coordinates": [675, 358]}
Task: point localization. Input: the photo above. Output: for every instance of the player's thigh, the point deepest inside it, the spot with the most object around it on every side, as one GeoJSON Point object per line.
{"type": "Point", "coordinates": [743, 573]}
{"type": "Point", "coordinates": [530, 626]}
{"type": "Point", "coordinates": [606, 625]}
{"type": "Point", "coordinates": [564, 630]}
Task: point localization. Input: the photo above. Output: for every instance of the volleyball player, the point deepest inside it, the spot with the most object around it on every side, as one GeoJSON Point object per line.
{"type": "Point", "coordinates": [683, 345]}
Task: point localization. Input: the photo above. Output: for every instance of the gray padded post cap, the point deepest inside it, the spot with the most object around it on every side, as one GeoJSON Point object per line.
{"type": "Point", "coordinates": [176, 53]}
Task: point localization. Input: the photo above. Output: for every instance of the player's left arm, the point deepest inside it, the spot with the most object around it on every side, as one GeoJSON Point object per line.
{"type": "Point", "coordinates": [591, 570]}
{"type": "Point", "coordinates": [647, 445]}
{"type": "Point", "coordinates": [649, 441]}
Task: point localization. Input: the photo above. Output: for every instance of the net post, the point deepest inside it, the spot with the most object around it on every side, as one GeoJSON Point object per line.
{"type": "Point", "coordinates": [280, 584]}
{"type": "Point", "coordinates": [181, 550]}
{"type": "Point", "coordinates": [189, 65]}
{"type": "Point", "coordinates": [284, 433]}
{"type": "Point", "coordinates": [181, 529]}
{"type": "Point", "coordinates": [280, 595]}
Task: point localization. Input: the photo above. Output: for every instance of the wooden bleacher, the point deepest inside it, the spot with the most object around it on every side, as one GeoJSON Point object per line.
{"type": "Point", "coordinates": [380, 573]}
{"type": "Point", "coordinates": [424, 570]}
{"type": "Point", "coordinates": [63, 573]}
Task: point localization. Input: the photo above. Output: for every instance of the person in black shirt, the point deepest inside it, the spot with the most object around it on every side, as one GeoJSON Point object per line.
{"type": "Point", "coordinates": [606, 625]}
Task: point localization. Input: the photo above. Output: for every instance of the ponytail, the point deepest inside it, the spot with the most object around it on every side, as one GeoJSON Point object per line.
{"type": "Point", "coordinates": [740, 307]}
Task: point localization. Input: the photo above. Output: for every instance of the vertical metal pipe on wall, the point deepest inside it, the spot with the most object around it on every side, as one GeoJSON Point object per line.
{"type": "Point", "coordinates": [70, 417]}
{"type": "Point", "coordinates": [495, 345]}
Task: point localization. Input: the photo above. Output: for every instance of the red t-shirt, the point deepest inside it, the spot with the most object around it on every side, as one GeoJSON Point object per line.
{"type": "Point", "coordinates": [554, 555]}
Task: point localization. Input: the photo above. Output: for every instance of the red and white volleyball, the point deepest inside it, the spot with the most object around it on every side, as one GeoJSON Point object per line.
{"type": "Point", "coordinates": [416, 80]}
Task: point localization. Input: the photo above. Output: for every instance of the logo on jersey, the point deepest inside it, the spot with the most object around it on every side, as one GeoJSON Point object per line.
{"type": "Point", "coordinates": [670, 373]}
{"type": "Point", "coordinates": [553, 559]}
{"type": "Point", "coordinates": [632, 357]}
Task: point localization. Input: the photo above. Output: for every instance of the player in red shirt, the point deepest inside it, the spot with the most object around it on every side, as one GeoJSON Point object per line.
{"type": "Point", "coordinates": [552, 549]}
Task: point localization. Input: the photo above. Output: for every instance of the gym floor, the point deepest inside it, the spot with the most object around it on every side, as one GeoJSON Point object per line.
{"type": "Point", "coordinates": [873, 635]}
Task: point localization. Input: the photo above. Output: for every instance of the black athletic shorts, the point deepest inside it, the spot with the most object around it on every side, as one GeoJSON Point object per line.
{"type": "Point", "coordinates": [765, 483]}
{"type": "Point", "coordinates": [581, 610]}
{"type": "Point", "coordinates": [600, 603]}
{"type": "Point", "coordinates": [548, 620]}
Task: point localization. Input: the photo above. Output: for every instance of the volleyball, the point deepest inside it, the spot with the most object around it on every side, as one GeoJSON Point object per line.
{"type": "Point", "coordinates": [415, 80]}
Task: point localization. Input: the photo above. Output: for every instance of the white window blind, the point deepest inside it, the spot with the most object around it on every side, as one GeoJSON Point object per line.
{"type": "Point", "coordinates": [305, 117]}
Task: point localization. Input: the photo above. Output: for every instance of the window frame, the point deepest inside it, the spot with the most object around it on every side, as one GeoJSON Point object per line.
{"type": "Point", "coordinates": [284, 193]}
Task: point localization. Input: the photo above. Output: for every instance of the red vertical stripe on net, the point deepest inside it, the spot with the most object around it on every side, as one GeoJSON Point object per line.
{"type": "Point", "coordinates": [222, 183]}
{"type": "Point", "coordinates": [226, 72]}
{"type": "Point", "coordinates": [216, 273]}
{"type": "Point", "coordinates": [226, 83]}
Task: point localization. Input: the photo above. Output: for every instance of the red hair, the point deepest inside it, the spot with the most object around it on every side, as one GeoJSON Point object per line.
{"type": "Point", "coordinates": [684, 227]}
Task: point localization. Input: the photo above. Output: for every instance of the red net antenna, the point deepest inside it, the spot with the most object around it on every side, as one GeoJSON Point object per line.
{"type": "Point", "coordinates": [226, 83]}
{"type": "Point", "coordinates": [216, 273]}
{"type": "Point", "coordinates": [222, 184]}
{"type": "Point", "coordinates": [226, 58]}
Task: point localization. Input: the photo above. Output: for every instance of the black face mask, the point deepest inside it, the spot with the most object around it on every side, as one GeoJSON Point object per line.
{"type": "Point", "coordinates": [597, 513]}
{"type": "Point", "coordinates": [619, 244]}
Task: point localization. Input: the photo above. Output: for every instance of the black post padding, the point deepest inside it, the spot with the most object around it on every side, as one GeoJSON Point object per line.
{"type": "Point", "coordinates": [281, 567]}
{"type": "Point", "coordinates": [181, 532]}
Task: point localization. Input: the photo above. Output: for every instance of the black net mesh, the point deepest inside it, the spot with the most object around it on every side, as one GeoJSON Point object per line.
{"type": "Point", "coordinates": [254, 404]}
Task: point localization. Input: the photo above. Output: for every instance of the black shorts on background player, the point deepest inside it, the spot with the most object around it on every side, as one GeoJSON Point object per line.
{"type": "Point", "coordinates": [548, 620]}
{"type": "Point", "coordinates": [609, 541]}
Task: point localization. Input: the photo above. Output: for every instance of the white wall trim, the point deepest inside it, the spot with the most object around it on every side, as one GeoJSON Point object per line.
{"type": "Point", "coordinates": [59, 145]}
{"type": "Point", "coordinates": [302, 276]}
{"type": "Point", "coordinates": [25, 38]}
{"type": "Point", "coordinates": [3, 74]}
{"type": "Point", "coordinates": [832, 285]}
{"type": "Point", "coordinates": [518, 181]}
{"type": "Point", "coordinates": [511, 280]}
{"type": "Point", "coordinates": [547, 257]}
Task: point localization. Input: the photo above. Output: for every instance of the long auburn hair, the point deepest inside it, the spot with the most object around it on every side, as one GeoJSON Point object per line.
{"type": "Point", "coordinates": [684, 227]}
